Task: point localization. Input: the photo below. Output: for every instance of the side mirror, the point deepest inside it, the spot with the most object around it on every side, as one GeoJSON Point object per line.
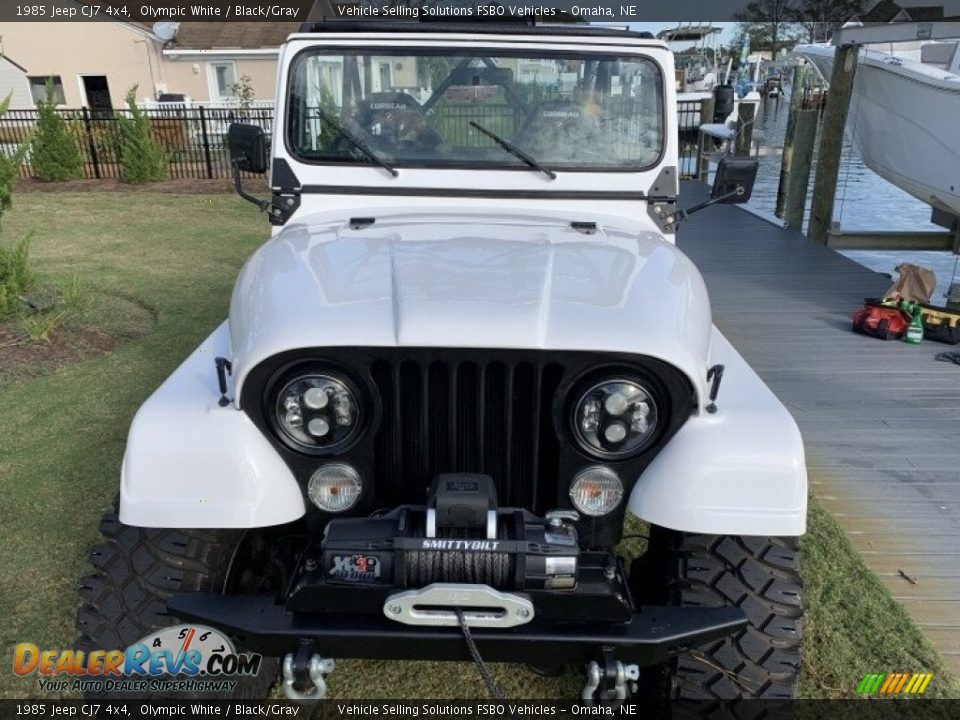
{"type": "Point", "coordinates": [248, 147]}
{"type": "Point", "coordinates": [733, 183]}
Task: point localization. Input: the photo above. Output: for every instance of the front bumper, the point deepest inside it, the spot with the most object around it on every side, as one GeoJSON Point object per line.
{"type": "Point", "coordinates": [651, 635]}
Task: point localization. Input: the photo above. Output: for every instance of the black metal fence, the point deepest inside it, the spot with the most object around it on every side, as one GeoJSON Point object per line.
{"type": "Point", "coordinates": [195, 137]}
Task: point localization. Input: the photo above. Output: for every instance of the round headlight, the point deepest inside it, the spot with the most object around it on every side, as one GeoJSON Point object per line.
{"type": "Point", "coordinates": [335, 487]}
{"type": "Point", "coordinates": [615, 418]}
{"type": "Point", "coordinates": [318, 411]}
{"type": "Point", "coordinates": [596, 491]}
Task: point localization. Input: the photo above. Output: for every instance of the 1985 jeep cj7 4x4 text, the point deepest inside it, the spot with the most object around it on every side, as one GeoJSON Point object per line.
{"type": "Point", "coordinates": [470, 347]}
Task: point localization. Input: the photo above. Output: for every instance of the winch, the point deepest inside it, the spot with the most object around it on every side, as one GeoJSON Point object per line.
{"type": "Point", "coordinates": [459, 536]}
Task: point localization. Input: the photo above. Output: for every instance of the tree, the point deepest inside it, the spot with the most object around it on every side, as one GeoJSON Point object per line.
{"type": "Point", "coordinates": [142, 158]}
{"type": "Point", "coordinates": [244, 91]}
{"type": "Point", "coordinates": [9, 162]}
{"type": "Point", "coordinates": [53, 150]}
{"type": "Point", "coordinates": [819, 17]}
{"type": "Point", "coordinates": [15, 275]}
{"type": "Point", "coordinates": [8, 166]}
{"type": "Point", "coordinates": [768, 24]}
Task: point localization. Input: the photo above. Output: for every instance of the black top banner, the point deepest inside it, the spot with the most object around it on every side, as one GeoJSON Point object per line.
{"type": "Point", "coordinates": [598, 11]}
{"type": "Point", "coordinates": [492, 709]}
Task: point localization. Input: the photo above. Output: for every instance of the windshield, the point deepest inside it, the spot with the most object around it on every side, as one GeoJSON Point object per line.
{"type": "Point", "coordinates": [487, 109]}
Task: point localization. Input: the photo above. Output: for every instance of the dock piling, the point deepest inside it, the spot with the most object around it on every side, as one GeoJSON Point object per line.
{"type": "Point", "coordinates": [707, 106]}
{"type": "Point", "coordinates": [801, 161]}
{"type": "Point", "coordinates": [796, 100]}
{"type": "Point", "coordinates": [744, 140]}
{"type": "Point", "coordinates": [831, 141]}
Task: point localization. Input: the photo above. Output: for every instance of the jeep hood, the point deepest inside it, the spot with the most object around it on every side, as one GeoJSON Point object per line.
{"type": "Point", "coordinates": [484, 281]}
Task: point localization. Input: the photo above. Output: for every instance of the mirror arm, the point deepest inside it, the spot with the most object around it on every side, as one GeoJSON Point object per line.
{"type": "Point", "coordinates": [264, 205]}
{"type": "Point", "coordinates": [683, 214]}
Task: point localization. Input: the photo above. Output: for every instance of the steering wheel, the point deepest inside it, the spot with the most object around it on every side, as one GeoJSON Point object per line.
{"type": "Point", "coordinates": [395, 122]}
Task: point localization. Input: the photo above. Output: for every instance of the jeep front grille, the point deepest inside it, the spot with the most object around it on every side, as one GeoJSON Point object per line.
{"type": "Point", "coordinates": [467, 415]}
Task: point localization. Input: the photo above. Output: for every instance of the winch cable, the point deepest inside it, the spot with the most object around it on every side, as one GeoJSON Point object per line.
{"type": "Point", "coordinates": [489, 568]}
{"type": "Point", "coordinates": [492, 687]}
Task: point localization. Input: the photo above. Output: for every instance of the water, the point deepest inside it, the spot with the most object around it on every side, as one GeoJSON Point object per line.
{"type": "Point", "coordinates": [864, 201]}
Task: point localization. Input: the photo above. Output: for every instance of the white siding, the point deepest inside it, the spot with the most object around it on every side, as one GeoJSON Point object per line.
{"type": "Point", "coordinates": [14, 80]}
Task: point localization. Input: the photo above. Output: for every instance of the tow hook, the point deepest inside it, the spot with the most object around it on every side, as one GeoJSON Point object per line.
{"type": "Point", "coordinates": [304, 674]}
{"type": "Point", "coordinates": [607, 679]}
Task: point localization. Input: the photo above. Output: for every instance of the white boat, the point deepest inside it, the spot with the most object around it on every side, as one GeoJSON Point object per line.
{"type": "Point", "coordinates": [904, 118]}
{"type": "Point", "coordinates": [700, 86]}
{"type": "Point", "coordinates": [700, 73]}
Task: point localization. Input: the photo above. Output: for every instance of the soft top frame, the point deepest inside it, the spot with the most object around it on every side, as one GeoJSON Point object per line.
{"type": "Point", "coordinates": [473, 28]}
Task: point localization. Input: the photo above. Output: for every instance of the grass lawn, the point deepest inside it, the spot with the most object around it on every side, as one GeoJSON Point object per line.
{"type": "Point", "coordinates": [62, 437]}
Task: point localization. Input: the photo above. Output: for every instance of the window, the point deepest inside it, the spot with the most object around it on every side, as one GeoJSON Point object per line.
{"type": "Point", "coordinates": [384, 77]}
{"type": "Point", "coordinates": [97, 90]}
{"type": "Point", "coordinates": [222, 77]}
{"type": "Point", "coordinates": [566, 110]}
{"type": "Point", "coordinates": [38, 89]}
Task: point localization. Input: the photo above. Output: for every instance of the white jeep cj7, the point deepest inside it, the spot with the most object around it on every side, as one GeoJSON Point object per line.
{"type": "Point", "coordinates": [468, 350]}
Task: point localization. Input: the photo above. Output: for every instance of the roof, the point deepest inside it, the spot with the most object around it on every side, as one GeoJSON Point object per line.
{"type": "Point", "coordinates": [925, 13]}
{"type": "Point", "coordinates": [241, 35]}
{"type": "Point", "coordinates": [17, 65]}
{"type": "Point", "coordinates": [886, 11]}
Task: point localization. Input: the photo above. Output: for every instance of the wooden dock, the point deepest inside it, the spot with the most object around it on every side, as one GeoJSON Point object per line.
{"type": "Point", "coordinates": [879, 419]}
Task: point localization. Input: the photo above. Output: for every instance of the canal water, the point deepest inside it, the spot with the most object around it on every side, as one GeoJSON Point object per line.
{"type": "Point", "coordinates": [865, 201]}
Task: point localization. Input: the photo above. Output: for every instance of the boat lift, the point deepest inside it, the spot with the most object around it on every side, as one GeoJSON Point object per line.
{"type": "Point", "coordinates": [848, 40]}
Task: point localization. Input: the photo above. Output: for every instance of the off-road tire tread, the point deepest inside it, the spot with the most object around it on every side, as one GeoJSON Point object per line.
{"type": "Point", "coordinates": [137, 569]}
{"type": "Point", "coordinates": [761, 576]}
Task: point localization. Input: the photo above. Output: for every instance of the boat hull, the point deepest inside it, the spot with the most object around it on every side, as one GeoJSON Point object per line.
{"type": "Point", "coordinates": [903, 122]}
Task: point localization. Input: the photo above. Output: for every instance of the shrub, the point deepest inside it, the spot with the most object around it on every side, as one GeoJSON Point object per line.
{"type": "Point", "coordinates": [8, 166]}
{"type": "Point", "coordinates": [142, 158]}
{"type": "Point", "coordinates": [77, 297]}
{"type": "Point", "coordinates": [40, 327]}
{"type": "Point", "coordinates": [8, 172]}
{"type": "Point", "coordinates": [244, 92]}
{"type": "Point", "coordinates": [15, 275]}
{"type": "Point", "coordinates": [54, 154]}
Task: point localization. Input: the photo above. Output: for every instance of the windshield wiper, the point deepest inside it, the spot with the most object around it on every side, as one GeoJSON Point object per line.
{"type": "Point", "coordinates": [515, 151]}
{"type": "Point", "coordinates": [355, 141]}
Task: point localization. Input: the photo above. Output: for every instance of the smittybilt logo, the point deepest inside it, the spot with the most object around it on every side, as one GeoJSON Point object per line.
{"type": "Point", "coordinates": [894, 683]}
{"type": "Point", "coordinates": [432, 544]}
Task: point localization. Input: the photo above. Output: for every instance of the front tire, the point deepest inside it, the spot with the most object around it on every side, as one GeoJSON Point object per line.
{"type": "Point", "coordinates": [136, 570]}
{"type": "Point", "coordinates": [761, 576]}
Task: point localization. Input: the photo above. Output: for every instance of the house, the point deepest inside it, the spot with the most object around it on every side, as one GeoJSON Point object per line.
{"type": "Point", "coordinates": [887, 11]}
{"type": "Point", "coordinates": [94, 64]}
{"type": "Point", "coordinates": [205, 61]}
{"type": "Point", "coordinates": [13, 81]}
